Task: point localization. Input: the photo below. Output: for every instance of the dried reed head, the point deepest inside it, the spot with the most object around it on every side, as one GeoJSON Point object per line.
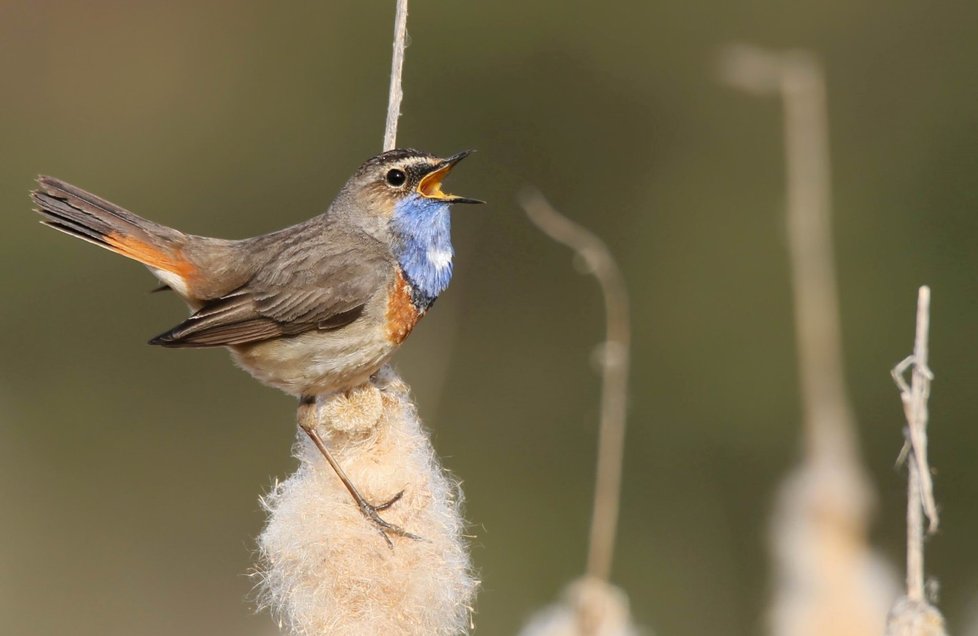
{"type": "Point", "coordinates": [326, 570]}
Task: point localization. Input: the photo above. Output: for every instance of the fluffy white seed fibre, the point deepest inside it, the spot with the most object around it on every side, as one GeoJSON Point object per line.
{"type": "Point", "coordinates": [325, 569]}
{"type": "Point", "coordinates": [589, 607]}
{"type": "Point", "coordinates": [914, 618]}
{"type": "Point", "coordinates": [827, 578]}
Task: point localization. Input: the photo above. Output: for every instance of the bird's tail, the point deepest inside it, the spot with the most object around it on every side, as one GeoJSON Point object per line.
{"type": "Point", "coordinates": [88, 217]}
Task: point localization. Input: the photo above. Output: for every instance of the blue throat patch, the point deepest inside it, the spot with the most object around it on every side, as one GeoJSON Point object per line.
{"type": "Point", "coordinates": [423, 246]}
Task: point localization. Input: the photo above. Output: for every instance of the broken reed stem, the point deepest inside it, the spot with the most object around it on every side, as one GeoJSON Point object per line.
{"type": "Point", "coordinates": [913, 615]}
{"type": "Point", "coordinates": [614, 364]}
{"type": "Point", "coordinates": [916, 411]}
{"type": "Point", "coordinates": [397, 66]}
{"type": "Point", "coordinates": [920, 487]}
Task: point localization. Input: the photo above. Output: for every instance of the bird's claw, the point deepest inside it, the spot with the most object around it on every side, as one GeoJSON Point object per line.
{"type": "Point", "coordinates": [384, 527]}
{"type": "Point", "coordinates": [390, 502]}
{"type": "Point", "coordinates": [366, 508]}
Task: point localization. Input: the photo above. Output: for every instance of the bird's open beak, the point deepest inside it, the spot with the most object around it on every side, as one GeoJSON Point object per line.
{"type": "Point", "coordinates": [430, 184]}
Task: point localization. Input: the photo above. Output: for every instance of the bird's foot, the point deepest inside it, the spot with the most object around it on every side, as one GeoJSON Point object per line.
{"type": "Point", "coordinates": [368, 510]}
{"type": "Point", "coordinates": [385, 528]}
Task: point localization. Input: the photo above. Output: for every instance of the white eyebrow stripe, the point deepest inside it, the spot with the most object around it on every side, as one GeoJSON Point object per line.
{"type": "Point", "coordinates": [412, 162]}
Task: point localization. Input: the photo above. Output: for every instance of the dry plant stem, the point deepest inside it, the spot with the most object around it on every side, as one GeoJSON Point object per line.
{"type": "Point", "coordinates": [821, 371]}
{"type": "Point", "coordinates": [915, 537]}
{"type": "Point", "coordinates": [914, 399]}
{"type": "Point", "coordinates": [913, 615]}
{"type": "Point", "coordinates": [798, 79]}
{"type": "Point", "coordinates": [920, 487]}
{"type": "Point", "coordinates": [397, 66]}
{"type": "Point", "coordinates": [829, 579]}
{"type": "Point", "coordinates": [614, 384]}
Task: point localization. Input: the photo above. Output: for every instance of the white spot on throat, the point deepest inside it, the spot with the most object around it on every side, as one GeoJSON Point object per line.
{"type": "Point", "coordinates": [439, 258]}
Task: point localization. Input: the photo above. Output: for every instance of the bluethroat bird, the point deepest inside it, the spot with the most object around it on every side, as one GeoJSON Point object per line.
{"type": "Point", "coordinates": [314, 309]}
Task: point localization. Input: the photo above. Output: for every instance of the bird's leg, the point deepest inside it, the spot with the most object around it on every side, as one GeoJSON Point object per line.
{"type": "Point", "coordinates": [307, 422]}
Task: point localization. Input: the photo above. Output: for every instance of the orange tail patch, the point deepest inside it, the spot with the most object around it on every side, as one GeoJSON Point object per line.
{"type": "Point", "coordinates": [151, 255]}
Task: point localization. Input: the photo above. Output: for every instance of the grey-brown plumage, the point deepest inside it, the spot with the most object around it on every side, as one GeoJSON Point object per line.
{"type": "Point", "coordinates": [318, 277]}
{"type": "Point", "coordinates": [312, 308]}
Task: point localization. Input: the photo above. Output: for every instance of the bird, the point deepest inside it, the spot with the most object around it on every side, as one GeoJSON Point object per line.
{"type": "Point", "coordinates": [313, 309]}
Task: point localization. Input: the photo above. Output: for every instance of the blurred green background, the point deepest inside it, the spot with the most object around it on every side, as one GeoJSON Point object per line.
{"type": "Point", "coordinates": [129, 475]}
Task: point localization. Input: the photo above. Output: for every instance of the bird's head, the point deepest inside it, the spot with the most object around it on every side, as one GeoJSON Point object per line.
{"type": "Point", "coordinates": [401, 184]}
{"type": "Point", "coordinates": [397, 198]}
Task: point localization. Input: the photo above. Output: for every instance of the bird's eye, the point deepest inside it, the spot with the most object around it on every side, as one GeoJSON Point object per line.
{"type": "Point", "coordinates": [396, 177]}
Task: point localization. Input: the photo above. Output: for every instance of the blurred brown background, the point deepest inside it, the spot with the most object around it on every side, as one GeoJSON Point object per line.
{"type": "Point", "coordinates": [129, 475]}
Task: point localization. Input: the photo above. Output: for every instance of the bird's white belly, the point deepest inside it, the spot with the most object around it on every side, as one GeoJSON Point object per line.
{"type": "Point", "coordinates": [318, 361]}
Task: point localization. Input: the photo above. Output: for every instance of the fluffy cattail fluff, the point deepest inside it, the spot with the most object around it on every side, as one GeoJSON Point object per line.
{"type": "Point", "coordinates": [590, 607]}
{"type": "Point", "coordinates": [914, 618]}
{"type": "Point", "coordinates": [827, 579]}
{"type": "Point", "coordinates": [325, 569]}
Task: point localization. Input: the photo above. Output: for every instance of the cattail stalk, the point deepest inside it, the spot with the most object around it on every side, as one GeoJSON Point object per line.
{"type": "Point", "coordinates": [614, 378]}
{"type": "Point", "coordinates": [828, 580]}
{"type": "Point", "coordinates": [325, 569]}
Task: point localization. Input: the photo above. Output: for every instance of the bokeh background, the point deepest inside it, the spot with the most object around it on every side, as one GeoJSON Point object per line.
{"type": "Point", "coordinates": [129, 475]}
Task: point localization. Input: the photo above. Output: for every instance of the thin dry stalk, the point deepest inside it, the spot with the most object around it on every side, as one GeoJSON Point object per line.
{"type": "Point", "coordinates": [913, 615]}
{"type": "Point", "coordinates": [914, 398]}
{"type": "Point", "coordinates": [591, 606]}
{"type": "Point", "coordinates": [397, 66]}
{"type": "Point", "coordinates": [324, 568]}
{"type": "Point", "coordinates": [915, 535]}
{"type": "Point", "coordinates": [614, 364]}
{"type": "Point", "coordinates": [829, 580]}
{"type": "Point", "coordinates": [797, 77]}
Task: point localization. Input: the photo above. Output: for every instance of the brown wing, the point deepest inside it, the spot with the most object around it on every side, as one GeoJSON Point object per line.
{"type": "Point", "coordinates": [318, 281]}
